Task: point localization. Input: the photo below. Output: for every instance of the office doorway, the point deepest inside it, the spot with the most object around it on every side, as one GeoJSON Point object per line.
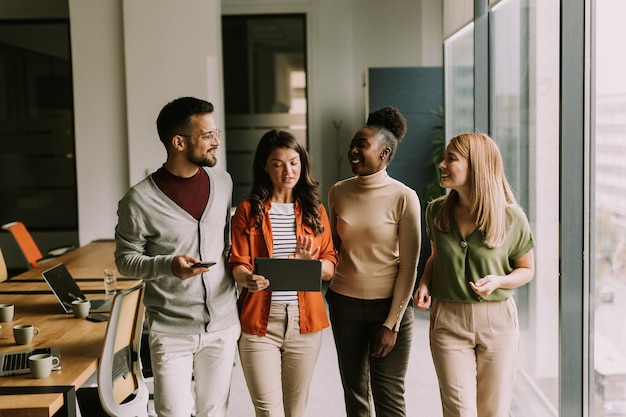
{"type": "Point", "coordinates": [265, 86]}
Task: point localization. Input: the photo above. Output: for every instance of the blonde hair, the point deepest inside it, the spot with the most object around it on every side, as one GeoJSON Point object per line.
{"type": "Point", "coordinates": [490, 192]}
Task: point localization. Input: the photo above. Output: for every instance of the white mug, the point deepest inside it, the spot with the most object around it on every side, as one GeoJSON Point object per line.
{"type": "Point", "coordinates": [80, 308]}
{"type": "Point", "coordinates": [6, 312]}
{"type": "Point", "coordinates": [41, 365]}
{"type": "Point", "coordinates": [24, 333]}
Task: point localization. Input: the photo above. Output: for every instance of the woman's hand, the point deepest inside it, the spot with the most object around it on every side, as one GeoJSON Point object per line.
{"type": "Point", "coordinates": [421, 297]}
{"type": "Point", "coordinates": [305, 248]}
{"type": "Point", "coordinates": [256, 282]}
{"type": "Point", "coordinates": [486, 285]}
{"type": "Point", "coordinates": [524, 269]}
{"type": "Point", "coordinates": [384, 342]}
{"type": "Point", "coordinates": [248, 279]}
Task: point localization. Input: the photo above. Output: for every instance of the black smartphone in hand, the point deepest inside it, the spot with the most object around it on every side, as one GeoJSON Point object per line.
{"type": "Point", "coordinates": [203, 264]}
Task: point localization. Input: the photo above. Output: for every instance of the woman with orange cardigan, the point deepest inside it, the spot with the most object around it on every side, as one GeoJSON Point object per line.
{"type": "Point", "coordinates": [281, 330]}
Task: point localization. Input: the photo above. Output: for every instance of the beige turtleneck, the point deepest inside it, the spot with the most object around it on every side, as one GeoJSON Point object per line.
{"type": "Point", "coordinates": [375, 221]}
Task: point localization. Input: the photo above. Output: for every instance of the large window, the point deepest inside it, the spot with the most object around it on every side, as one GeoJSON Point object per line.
{"type": "Point", "coordinates": [38, 173]}
{"type": "Point", "coordinates": [609, 209]}
{"type": "Point", "coordinates": [459, 82]}
{"type": "Point", "coordinates": [37, 163]}
{"type": "Point", "coordinates": [509, 90]}
{"type": "Point", "coordinates": [523, 119]}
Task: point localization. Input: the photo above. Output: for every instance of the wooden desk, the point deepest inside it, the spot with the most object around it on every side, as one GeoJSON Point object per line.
{"type": "Point", "coordinates": [86, 264]}
{"type": "Point", "coordinates": [80, 340]}
{"type": "Point", "coordinates": [87, 261]}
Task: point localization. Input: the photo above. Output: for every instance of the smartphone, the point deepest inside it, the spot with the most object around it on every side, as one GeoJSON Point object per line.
{"type": "Point", "coordinates": [203, 264]}
{"type": "Point", "coordinates": [98, 318]}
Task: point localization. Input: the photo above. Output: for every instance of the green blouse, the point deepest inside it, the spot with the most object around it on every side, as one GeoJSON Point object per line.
{"type": "Point", "coordinates": [460, 261]}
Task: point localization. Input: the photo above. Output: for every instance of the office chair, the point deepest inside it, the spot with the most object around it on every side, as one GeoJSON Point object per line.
{"type": "Point", "coordinates": [121, 387]}
{"type": "Point", "coordinates": [28, 246]}
{"type": "Point", "coordinates": [4, 274]}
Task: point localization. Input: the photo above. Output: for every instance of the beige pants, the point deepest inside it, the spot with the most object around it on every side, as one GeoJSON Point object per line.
{"type": "Point", "coordinates": [474, 348]}
{"type": "Point", "coordinates": [278, 367]}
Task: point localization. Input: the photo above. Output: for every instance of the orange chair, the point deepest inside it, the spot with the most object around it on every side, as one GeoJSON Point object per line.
{"type": "Point", "coordinates": [28, 246]}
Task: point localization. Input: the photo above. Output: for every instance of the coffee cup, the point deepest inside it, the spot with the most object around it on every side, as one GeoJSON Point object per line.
{"type": "Point", "coordinates": [6, 312]}
{"type": "Point", "coordinates": [41, 365]}
{"type": "Point", "coordinates": [81, 308]}
{"type": "Point", "coordinates": [24, 333]}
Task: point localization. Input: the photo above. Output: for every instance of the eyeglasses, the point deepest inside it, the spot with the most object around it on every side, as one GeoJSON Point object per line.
{"type": "Point", "coordinates": [210, 136]}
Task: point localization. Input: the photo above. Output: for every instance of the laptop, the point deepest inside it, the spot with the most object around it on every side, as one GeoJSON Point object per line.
{"type": "Point", "coordinates": [290, 274]}
{"type": "Point", "coordinates": [64, 286]}
{"type": "Point", "coordinates": [16, 363]}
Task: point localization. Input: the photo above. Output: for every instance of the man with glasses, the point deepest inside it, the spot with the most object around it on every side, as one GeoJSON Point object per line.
{"type": "Point", "coordinates": [169, 222]}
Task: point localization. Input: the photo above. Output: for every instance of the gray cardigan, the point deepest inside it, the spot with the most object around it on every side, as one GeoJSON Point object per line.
{"type": "Point", "coordinates": [152, 229]}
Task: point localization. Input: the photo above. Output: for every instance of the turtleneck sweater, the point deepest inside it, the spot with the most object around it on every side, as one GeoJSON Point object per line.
{"type": "Point", "coordinates": [375, 220]}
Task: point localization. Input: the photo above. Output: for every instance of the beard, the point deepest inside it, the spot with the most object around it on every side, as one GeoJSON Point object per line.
{"type": "Point", "coordinates": [201, 161]}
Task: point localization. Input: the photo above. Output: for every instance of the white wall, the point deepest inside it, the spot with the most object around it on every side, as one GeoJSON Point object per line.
{"type": "Point", "coordinates": [99, 115]}
{"type": "Point", "coordinates": [170, 52]}
{"type": "Point", "coordinates": [132, 56]}
{"type": "Point", "coordinates": [127, 64]}
{"type": "Point", "coordinates": [457, 14]}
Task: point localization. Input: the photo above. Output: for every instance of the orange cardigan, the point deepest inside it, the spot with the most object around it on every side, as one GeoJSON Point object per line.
{"type": "Point", "coordinates": [249, 242]}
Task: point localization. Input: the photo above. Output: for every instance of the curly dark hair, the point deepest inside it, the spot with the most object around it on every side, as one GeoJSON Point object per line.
{"type": "Point", "coordinates": [391, 124]}
{"type": "Point", "coordinates": [306, 190]}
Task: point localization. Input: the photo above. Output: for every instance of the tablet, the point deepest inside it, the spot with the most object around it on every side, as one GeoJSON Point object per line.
{"type": "Point", "coordinates": [290, 274]}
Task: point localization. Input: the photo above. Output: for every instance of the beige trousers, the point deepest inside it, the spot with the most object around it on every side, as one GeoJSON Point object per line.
{"type": "Point", "coordinates": [474, 348]}
{"type": "Point", "coordinates": [278, 367]}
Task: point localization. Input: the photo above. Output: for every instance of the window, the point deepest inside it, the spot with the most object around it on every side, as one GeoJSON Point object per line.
{"type": "Point", "coordinates": [38, 173]}
{"type": "Point", "coordinates": [523, 103]}
{"type": "Point", "coordinates": [459, 82]}
{"type": "Point", "coordinates": [609, 210]}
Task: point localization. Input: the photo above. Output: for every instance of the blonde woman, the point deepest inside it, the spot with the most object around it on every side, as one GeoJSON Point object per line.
{"type": "Point", "coordinates": [481, 250]}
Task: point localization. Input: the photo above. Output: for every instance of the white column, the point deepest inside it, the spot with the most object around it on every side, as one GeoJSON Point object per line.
{"type": "Point", "coordinates": [171, 49]}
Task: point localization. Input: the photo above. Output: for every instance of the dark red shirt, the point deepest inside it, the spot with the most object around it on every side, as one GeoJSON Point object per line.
{"type": "Point", "coordinates": [192, 194]}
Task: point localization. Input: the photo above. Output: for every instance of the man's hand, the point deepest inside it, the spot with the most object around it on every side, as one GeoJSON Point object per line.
{"type": "Point", "coordinates": [181, 267]}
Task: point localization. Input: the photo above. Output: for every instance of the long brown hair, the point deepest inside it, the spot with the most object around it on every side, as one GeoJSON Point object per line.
{"type": "Point", "coordinates": [306, 190]}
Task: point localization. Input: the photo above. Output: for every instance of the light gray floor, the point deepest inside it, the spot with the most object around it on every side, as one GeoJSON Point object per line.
{"type": "Point", "coordinates": [326, 398]}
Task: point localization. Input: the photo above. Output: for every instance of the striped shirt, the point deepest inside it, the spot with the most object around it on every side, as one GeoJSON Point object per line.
{"type": "Point", "coordinates": [283, 221]}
